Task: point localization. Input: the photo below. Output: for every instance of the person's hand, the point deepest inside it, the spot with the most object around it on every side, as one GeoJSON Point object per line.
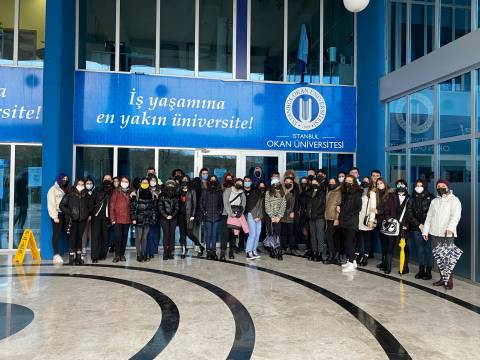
{"type": "Point", "coordinates": [390, 220]}
{"type": "Point", "coordinates": [113, 222]}
{"type": "Point", "coordinates": [134, 222]}
{"type": "Point", "coordinates": [370, 225]}
{"type": "Point", "coordinates": [192, 218]}
{"type": "Point", "coordinates": [404, 228]}
{"type": "Point", "coordinates": [338, 209]}
{"type": "Point", "coordinates": [336, 223]}
{"type": "Point", "coordinates": [449, 233]}
{"type": "Point", "coordinates": [425, 237]}
{"type": "Point", "coordinates": [89, 218]}
{"type": "Point", "coordinates": [292, 215]}
{"type": "Point", "coordinates": [169, 217]}
{"type": "Point", "coordinates": [374, 211]}
{"type": "Point", "coordinates": [233, 215]}
{"type": "Point", "coordinates": [420, 227]}
{"type": "Point", "coordinates": [56, 220]}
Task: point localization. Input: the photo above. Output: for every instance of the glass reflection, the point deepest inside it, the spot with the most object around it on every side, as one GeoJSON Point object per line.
{"type": "Point", "coordinates": [455, 106]}
{"type": "Point", "coordinates": [397, 122]}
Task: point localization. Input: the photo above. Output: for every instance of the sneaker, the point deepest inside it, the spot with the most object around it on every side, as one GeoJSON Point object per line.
{"type": "Point", "coordinates": [250, 256]}
{"type": "Point", "coordinates": [57, 260]}
{"type": "Point", "coordinates": [355, 264]}
{"type": "Point", "coordinates": [346, 264]}
{"type": "Point", "coordinates": [256, 256]}
{"type": "Point", "coordinates": [349, 268]}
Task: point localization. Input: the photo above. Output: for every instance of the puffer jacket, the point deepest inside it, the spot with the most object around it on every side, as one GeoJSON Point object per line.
{"type": "Point", "coordinates": [333, 199]}
{"type": "Point", "coordinates": [168, 206]}
{"type": "Point", "coordinates": [444, 214]}
{"type": "Point", "coordinates": [54, 197]}
{"type": "Point", "coordinates": [76, 206]}
{"type": "Point", "coordinates": [315, 204]}
{"type": "Point", "coordinates": [290, 202]}
{"type": "Point", "coordinates": [419, 205]}
{"type": "Point", "coordinates": [142, 209]}
{"type": "Point", "coordinates": [119, 207]}
{"type": "Point", "coordinates": [369, 202]}
{"type": "Point", "coordinates": [211, 205]}
{"type": "Point", "coordinates": [350, 207]}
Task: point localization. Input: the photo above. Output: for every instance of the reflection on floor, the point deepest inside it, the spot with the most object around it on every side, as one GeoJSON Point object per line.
{"type": "Point", "coordinates": [200, 309]}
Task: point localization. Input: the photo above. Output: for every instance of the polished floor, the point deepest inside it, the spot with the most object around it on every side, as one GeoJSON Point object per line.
{"type": "Point", "coordinates": [199, 309]}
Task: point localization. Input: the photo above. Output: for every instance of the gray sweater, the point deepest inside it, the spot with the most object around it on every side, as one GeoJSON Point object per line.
{"type": "Point", "coordinates": [227, 207]}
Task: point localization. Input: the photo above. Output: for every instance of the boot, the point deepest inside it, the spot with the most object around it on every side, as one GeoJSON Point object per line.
{"type": "Point", "coordinates": [139, 258]}
{"type": "Point", "coordinates": [406, 270]}
{"type": "Point", "coordinates": [421, 272]}
{"type": "Point", "coordinates": [214, 256]}
{"type": "Point", "coordinates": [381, 266]}
{"type": "Point", "coordinates": [316, 256]}
{"type": "Point", "coordinates": [272, 253]}
{"type": "Point", "coordinates": [388, 264]}
{"type": "Point", "coordinates": [449, 285]}
{"type": "Point", "coordinates": [439, 282]}
{"type": "Point", "coordinates": [78, 258]}
{"type": "Point", "coordinates": [170, 253]}
{"type": "Point", "coordinates": [329, 260]}
{"type": "Point", "coordinates": [337, 260]}
{"type": "Point", "coordinates": [222, 255]}
{"type": "Point", "coordinates": [230, 254]}
{"type": "Point", "coordinates": [71, 258]}
{"type": "Point", "coordinates": [279, 254]}
{"type": "Point", "coordinates": [357, 258]}
{"type": "Point", "coordinates": [202, 250]}
{"type": "Point", "coordinates": [165, 253]}
{"type": "Point", "coordinates": [364, 260]}
{"type": "Point", "coordinates": [184, 252]}
{"type": "Point", "coordinates": [428, 273]}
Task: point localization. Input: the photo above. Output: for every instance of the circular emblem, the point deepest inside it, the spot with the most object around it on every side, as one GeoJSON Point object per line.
{"type": "Point", "coordinates": [305, 108]}
{"type": "Point", "coordinates": [421, 109]}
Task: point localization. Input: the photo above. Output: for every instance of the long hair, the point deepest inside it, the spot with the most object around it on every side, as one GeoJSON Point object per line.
{"type": "Point", "coordinates": [385, 195]}
{"type": "Point", "coordinates": [272, 191]}
{"type": "Point", "coordinates": [355, 185]}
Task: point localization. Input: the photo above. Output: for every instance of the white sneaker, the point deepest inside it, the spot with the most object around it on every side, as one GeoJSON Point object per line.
{"type": "Point", "coordinates": [348, 268]}
{"type": "Point", "coordinates": [57, 260]}
{"type": "Point", "coordinates": [256, 256]}
{"type": "Point", "coordinates": [355, 264]}
{"type": "Point", "coordinates": [346, 264]}
{"type": "Point", "coordinates": [250, 256]}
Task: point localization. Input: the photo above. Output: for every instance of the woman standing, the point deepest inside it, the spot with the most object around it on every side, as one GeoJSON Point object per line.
{"type": "Point", "coordinates": [366, 222]}
{"type": "Point", "coordinates": [316, 219]}
{"type": "Point", "coordinates": [153, 238]}
{"type": "Point", "coordinates": [168, 206]}
{"type": "Point", "coordinates": [301, 217]}
{"type": "Point", "coordinates": [76, 206]}
{"type": "Point", "coordinates": [142, 213]}
{"type": "Point", "coordinates": [349, 209]}
{"type": "Point", "coordinates": [275, 205]}
{"type": "Point", "coordinates": [119, 209]}
{"type": "Point", "coordinates": [54, 198]}
{"type": "Point", "coordinates": [254, 212]}
{"type": "Point", "coordinates": [186, 216]}
{"type": "Point", "coordinates": [333, 199]}
{"type": "Point", "coordinates": [382, 194]}
{"type": "Point", "coordinates": [233, 206]}
{"type": "Point", "coordinates": [211, 207]}
{"type": "Point", "coordinates": [288, 218]}
{"type": "Point", "coordinates": [419, 205]}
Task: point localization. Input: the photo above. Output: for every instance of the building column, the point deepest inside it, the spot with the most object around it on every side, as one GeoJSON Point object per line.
{"type": "Point", "coordinates": [242, 39]}
{"type": "Point", "coordinates": [58, 95]}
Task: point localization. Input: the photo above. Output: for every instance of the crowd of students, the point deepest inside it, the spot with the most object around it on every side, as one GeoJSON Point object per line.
{"type": "Point", "coordinates": [337, 218]}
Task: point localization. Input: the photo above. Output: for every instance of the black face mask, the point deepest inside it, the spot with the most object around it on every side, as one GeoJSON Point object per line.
{"type": "Point", "coordinates": [332, 187]}
{"type": "Point", "coordinates": [442, 191]}
{"type": "Point", "coordinates": [401, 190]}
{"type": "Point", "coordinates": [314, 186]}
{"type": "Point", "coordinates": [365, 184]}
{"type": "Point", "coordinates": [238, 186]}
{"type": "Point", "coordinates": [213, 184]}
{"type": "Point", "coordinates": [64, 184]}
{"type": "Point", "coordinates": [107, 185]}
{"type": "Point", "coordinates": [170, 190]}
{"type": "Point", "coordinates": [288, 186]}
{"type": "Point", "coordinates": [348, 186]}
{"type": "Point", "coordinates": [185, 183]}
{"type": "Point", "coordinates": [262, 190]}
{"type": "Point", "coordinates": [258, 174]}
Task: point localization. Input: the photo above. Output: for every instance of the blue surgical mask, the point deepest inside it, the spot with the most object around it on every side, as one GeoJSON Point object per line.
{"type": "Point", "coordinates": [248, 184]}
{"type": "Point", "coordinates": [205, 177]}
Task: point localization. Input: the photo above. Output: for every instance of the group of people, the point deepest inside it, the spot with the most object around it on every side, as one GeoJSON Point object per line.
{"type": "Point", "coordinates": [337, 218]}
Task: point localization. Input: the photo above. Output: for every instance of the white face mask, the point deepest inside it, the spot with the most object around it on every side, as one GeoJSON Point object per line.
{"type": "Point", "coordinates": [80, 188]}
{"type": "Point", "coordinates": [419, 189]}
{"type": "Point", "coordinates": [153, 183]}
{"type": "Point", "coordinates": [89, 186]}
{"type": "Point", "coordinates": [124, 185]}
{"type": "Point", "coordinates": [341, 179]}
{"type": "Point", "coordinates": [380, 187]}
{"type": "Point", "coordinates": [275, 181]}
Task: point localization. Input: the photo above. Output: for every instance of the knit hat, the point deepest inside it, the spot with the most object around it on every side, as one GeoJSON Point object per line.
{"type": "Point", "coordinates": [446, 182]}
{"type": "Point", "coordinates": [60, 177]}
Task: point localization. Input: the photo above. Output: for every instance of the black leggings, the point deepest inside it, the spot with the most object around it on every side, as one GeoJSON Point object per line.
{"type": "Point", "coordinates": [121, 237]}
{"type": "Point", "coordinates": [185, 231]}
{"type": "Point", "coordinates": [349, 237]}
{"type": "Point", "coordinates": [333, 241]}
{"type": "Point", "coordinates": [366, 237]}
{"type": "Point", "coordinates": [100, 237]}
{"type": "Point", "coordinates": [288, 236]}
{"type": "Point", "coordinates": [228, 237]}
{"type": "Point", "coordinates": [57, 229]}
{"type": "Point", "coordinates": [168, 229]}
{"type": "Point", "coordinates": [75, 238]}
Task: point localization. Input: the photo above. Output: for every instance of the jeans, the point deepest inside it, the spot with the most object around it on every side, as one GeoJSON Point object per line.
{"type": "Point", "coordinates": [168, 230]}
{"type": "Point", "coordinates": [424, 249]}
{"type": "Point", "coordinates": [211, 231]}
{"type": "Point", "coordinates": [153, 240]}
{"type": "Point", "coordinates": [365, 239]}
{"type": "Point", "coordinates": [141, 232]}
{"type": "Point", "coordinates": [254, 230]}
{"type": "Point", "coordinates": [57, 231]}
{"type": "Point", "coordinates": [227, 237]}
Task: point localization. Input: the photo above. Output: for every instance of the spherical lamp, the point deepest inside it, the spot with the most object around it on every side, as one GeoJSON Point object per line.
{"type": "Point", "coordinates": [355, 5]}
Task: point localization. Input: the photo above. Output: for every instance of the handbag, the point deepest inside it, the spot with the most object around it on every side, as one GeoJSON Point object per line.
{"type": "Point", "coordinates": [237, 209]}
{"type": "Point", "coordinates": [233, 226]}
{"type": "Point", "coordinates": [392, 228]}
{"type": "Point", "coordinates": [366, 219]}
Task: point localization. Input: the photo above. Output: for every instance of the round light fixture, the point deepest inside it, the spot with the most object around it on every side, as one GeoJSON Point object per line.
{"type": "Point", "coordinates": [355, 5]}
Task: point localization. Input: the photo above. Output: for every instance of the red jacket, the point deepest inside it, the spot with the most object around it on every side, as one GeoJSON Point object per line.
{"type": "Point", "coordinates": [119, 208]}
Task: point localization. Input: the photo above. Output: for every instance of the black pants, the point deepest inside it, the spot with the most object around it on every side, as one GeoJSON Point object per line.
{"type": "Point", "coordinates": [288, 236]}
{"type": "Point", "coordinates": [168, 229]}
{"type": "Point", "coordinates": [349, 238]}
{"type": "Point", "coordinates": [384, 244]}
{"type": "Point", "coordinates": [227, 237]}
{"type": "Point", "coordinates": [100, 237]}
{"type": "Point", "coordinates": [274, 229]}
{"type": "Point", "coordinates": [366, 238]}
{"type": "Point", "coordinates": [75, 239]}
{"type": "Point", "coordinates": [185, 231]}
{"type": "Point", "coordinates": [121, 237]}
{"type": "Point", "coordinates": [333, 241]}
{"type": "Point", "coordinates": [392, 247]}
{"type": "Point", "coordinates": [57, 229]}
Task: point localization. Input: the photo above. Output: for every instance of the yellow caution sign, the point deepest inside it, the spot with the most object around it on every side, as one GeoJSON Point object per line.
{"type": "Point", "coordinates": [28, 240]}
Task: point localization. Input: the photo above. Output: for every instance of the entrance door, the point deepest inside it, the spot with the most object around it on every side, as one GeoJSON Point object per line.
{"type": "Point", "coordinates": [220, 162]}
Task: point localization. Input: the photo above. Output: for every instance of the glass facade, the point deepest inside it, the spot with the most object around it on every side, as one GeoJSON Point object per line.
{"type": "Point", "coordinates": [397, 122]}
{"type": "Point", "coordinates": [338, 44]}
{"type": "Point", "coordinates": [422, 166]}
{"type": "Point", "coordinates": [396, 31]}
{"type": "Point", "coordinates": [93, 162]}
{"type": "Point", "coordinates": [135, 162]}
{"type": "Point", "coordinates": [31, 32]}
{"type": "Point", "coordinates": [7, 24]}
{"type": "Point", "coordinates": [4, 194]}
{"type": "Point", "coordinates": [421, 116]}
{"type": "Point", "coordinates": [455, 19]}
{"type": "Point", "coordinates": [396, 165]}
{"type": "Point", "coordinates": [302, 162]}
{"type": "Point", "coordinates": [422, 28]}
{"type": "Point", "coordinates": [334, 163]}
{"type": "Point", "coordinates": [455, 106]}
{"type": "Point", "coordinates": [170, 160]}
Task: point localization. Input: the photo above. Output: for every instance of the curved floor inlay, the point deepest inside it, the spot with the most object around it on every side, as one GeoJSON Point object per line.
{"type": "Point", "coordinates": [244, 342]}
{"type": "Point", "coordinates": [14, 318]}
{"type": "Point", "coordinates": [170, 315]}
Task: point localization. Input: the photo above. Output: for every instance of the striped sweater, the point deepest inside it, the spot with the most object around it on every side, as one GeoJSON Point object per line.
{"type": "Point", "coordinates": [275, 206]}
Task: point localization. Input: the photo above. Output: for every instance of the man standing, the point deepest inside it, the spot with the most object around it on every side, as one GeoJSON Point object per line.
{"type": "Point", "coordinates": [101, 219]}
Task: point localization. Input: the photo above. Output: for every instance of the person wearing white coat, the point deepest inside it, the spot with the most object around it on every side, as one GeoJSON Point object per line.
{"type": "Point", "coordinates": [366, 222]}
{"type": "Point", "coordinates": [54, 197]}
{"type": "Point", "coordinates": [442, 219]}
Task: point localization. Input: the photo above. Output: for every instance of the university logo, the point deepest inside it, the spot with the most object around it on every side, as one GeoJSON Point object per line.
{"type": "Point", "coordinates": [421, 108]}
{"type": "Point", "coordinates": [305, 108]}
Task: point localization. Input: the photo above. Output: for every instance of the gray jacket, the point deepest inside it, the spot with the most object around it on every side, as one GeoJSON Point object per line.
{"type": "Point", "coordinates": [227, 208]}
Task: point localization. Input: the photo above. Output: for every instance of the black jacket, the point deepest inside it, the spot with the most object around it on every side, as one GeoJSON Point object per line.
{"type": "Point", "coordinates": [315, 204]}
{"type": "Point", "coordinates": [301, 207]}
{"type": "Point", "coordinates": [380, 206]}
{"type": "Point", "coordinates": [211, 205]}
{"type": "Point", "coordinates": [168, 206]}
{"type": "Point", "coordinates": [76, 207]}
{"type": "Point", "coordinates": [142, 208]}
{"type": "Point", "coordinates": [101, 200]}
{"type": "Point", "coordinates": [350, 208]}
{"type": "Point", "coordinates": [418, 209]}
{"type": "Point", "coordinates": [252, 196]}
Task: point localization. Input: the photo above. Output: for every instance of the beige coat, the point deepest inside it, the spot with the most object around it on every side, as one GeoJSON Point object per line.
{"type": "Point", "coordinates": [334, 198]}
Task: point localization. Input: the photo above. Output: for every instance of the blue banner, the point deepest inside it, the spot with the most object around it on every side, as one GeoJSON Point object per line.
{"type": "Point", "coordinates": [21, 104]}
{"type": "Point", "coordinates": [143, 110]}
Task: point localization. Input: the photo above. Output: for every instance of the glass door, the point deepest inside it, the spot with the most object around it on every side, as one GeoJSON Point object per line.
{"type": "Point", "coordinates": [219, 162]}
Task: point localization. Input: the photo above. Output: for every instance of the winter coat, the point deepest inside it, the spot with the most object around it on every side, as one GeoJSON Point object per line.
{"type": "Point", "coordinates": [101, 201]}
{"type": "Point", "coordinates": [301, 206]}
{"type": "Point", "coordinates": [54, 197]}
{"type": "Point", "coordinates": [119, 207]}
{"type": "Point", "coordinates": [290, 200]}
{"type": "Point", "coordinates": [142, 209]}
{"type": "Point", "coordinates": [350, 207]}
{"type": "Point", "coordinates": [275, 205]}
{"type": "Point", "coordinates": [168, 206]}
{"type": "Point", "coordinates": [393, 210]}
{"type": "Point", "coordinates": [418, 209]}
{"type": "Point", "coordinates": [444, 214]}
{"type": "Point", "coordinates": [369, 201]}
{"type": "Point", "coordinates": [333, 199]}
{"type": "Point", "coordinates": [189, 206]}
{"type": "Point", "coordinates": [254, 203]}
{"type": "Point", "coordinates": [75, 206]}
{"type": "Point", "coordinates": [381, 201]}
{"type": "Point", "coordinates": [227, 206]}
{"type": "Point", "coordinates": [211, 205]}
{"type": "Point", "coordinates": [316, 204]}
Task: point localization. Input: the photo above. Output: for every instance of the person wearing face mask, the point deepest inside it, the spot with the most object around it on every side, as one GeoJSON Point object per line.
{"type": "Point", "coordinates": [355, 172]}
{"type": "Point", "coordinates": [322, 179]}
{"type": "Point", "coordinates": [288, 242]}
{"type": "Point", "coordinates": [442, 220]}
{"type": "Point", "coordinates": [119, 209]}
{"type": "Point", "coordinates": [316, 198]}
{"type": "Point", "coordinates": [186, 216]}
{"type": "Point", "coordinates": [254, 213]}
{"type": "Point", "coordinates": [76, 206]}
{"type": "Point", "coordinates": [169, 206]}
{"type": "Point", "coordinates": [142, 214]}
{"type": "Point", "coordinates": [116, 182]}
{"type": "Point", "coordinates": [262, 188]}
{"type": "Point", "coordinates": [275, 175]}
{"type": "Point", "coordinates": [341, 177]}
{"type": "Point", "coordinates": [87, 234]}
{"type": "Point", "coordinates": [275, 205]}
{"type": "Point", "coordinates": [382, 194]}
{"type": "Point", "coordinates": [227, 181]}
{"type": "Point", "coordinates": [257, 176]}
{"type": "Point", "coordinates": [200, 183]}
{"type": "Point", "coordinates": [153, 238]}
{"type": "Point", "coordinates": [54, 197]}
{"type": "Point", "coordinates": [332, 201]}
{"type": "Point", "coordinates": [349, 209]}
{"type": "Point", "coordinates": [366, 222]}
{"type": "Point", "coordinates": [151, 172]}
{"type": "Point", "coordinates": [419, 205]}
{"type": "Point", "coordinates": [233, 207]}
{"type": "Point", "coordinates": [211, 208]}
{"type": "Point", "coordinates": [301, 216]}
{"type": "Point", "coordinates": [101, 219]}
{"type": "Point", "coordinates": [396, 208]}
